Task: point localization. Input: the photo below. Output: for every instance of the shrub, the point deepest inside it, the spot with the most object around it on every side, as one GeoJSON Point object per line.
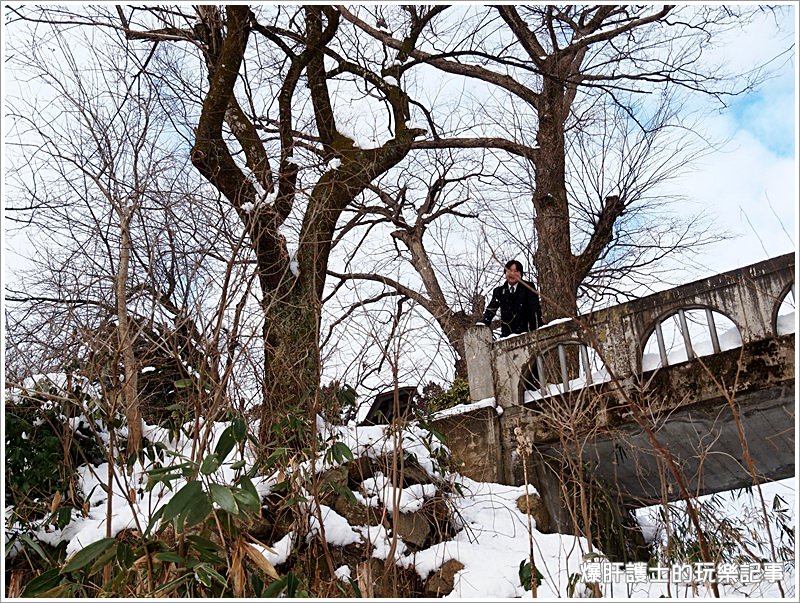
{"type": "Point", "coordinates": [48, 434]}
{"type": "Point", "coordinates": [435, 398]}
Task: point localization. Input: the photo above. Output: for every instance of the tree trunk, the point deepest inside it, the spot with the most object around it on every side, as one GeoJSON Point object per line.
{"type": "Point", "coordinates": [291, 301]}
{"type": "Point", "coordinates": [291, 364]}
{"type": "Point", "coordinates": [453, 324]}
{"type": "Point", "coordinates": [130, 393]}
{"type": "Point", "coordinates": [461, 361]}
{"type": "Point", "coordinates": [555, 263]}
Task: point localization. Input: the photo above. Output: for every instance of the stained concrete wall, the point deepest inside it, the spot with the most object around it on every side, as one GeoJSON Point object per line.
{"type": "Point", "coordinates": [689, 409]}
{"type": "Point", "coordinates": [478, 349]}
{"type": "Point", "coordinates": [749, 296]}
{"type": "Point", "coordinates": [474, 440]}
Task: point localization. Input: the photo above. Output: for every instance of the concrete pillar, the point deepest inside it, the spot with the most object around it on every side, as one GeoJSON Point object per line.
{"type": "Point", "coordinates": [478, 348]}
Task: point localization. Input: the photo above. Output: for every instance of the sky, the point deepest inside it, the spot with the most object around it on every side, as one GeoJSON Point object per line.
{"type": "Point", "coordinates": [750, 185]}
{"type": "Point", "coordinates": [747, 188]}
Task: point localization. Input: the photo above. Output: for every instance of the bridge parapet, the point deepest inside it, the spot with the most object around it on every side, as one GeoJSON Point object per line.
{"type": "Point", "coordinates": [750, 297]}
{"type": "Point", "coordinates": [689, 406]}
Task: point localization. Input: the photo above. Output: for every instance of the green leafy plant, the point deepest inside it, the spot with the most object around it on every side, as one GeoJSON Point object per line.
{"type": "Point", "coordinates": [194, 546]}
{"type": "Point", "coordinates": [338, 453]}
{"type": "Point", "coordinates": [526, 576]}
{"type": "Point", "coordinates": [435, 398]}
{"type": "Point", "coordinates": [42, 447]}
{"type": "Point", "coordinates": [339, 401]}
{"type": "Point", "coordinates": [287, 586]}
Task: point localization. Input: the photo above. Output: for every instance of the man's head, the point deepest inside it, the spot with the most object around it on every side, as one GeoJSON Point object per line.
{"type": "Point", "coordinates": [514, 272]}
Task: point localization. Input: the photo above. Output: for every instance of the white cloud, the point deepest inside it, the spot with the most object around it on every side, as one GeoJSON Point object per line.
{"type": "Point", "coordinates": [738, 187]}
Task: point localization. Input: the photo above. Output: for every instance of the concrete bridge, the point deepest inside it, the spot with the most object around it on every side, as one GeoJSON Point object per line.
{"type": "Point", "coordinates": [686, 389]}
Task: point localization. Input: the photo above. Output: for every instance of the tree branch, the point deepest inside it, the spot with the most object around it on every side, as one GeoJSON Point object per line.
{"type": "Point", "coordinates": [379, 278]}
{"type": "Point", "coordinates": [601, 237]}
{"type": "Point", "coordinates": [473, 71]}
{"type": "Point", "coordinates": [514, 148]}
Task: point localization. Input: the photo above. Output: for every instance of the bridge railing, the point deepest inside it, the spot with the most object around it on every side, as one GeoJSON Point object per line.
{"type": "Point", "coordinates": [580, 352]}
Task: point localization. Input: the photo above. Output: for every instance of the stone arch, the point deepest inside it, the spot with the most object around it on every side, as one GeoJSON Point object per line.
{"type": "Point", "coordinates": [685, 333]}
{"type": "Point", "coordinates": [783, 303]}
{"type": "Point", "coordinates": [567, 365]}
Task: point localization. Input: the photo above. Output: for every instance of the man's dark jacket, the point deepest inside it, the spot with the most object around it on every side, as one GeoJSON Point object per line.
{"type": "Point", "coordinates": [520, 311]}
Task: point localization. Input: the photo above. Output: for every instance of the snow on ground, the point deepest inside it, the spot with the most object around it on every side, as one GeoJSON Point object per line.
{"type": "Point", "coordinates": [492, 540]}
{"type": "Point", "coordinates": [744, 507]}
{"type": "Point", "coordinates": [491, 543]}
{"type": "Point", "coordinates": [405, 500]}
{"type": "Point", "coordinates": [82, 531]}
{"type": "Point", "coordinates": [279, 552]}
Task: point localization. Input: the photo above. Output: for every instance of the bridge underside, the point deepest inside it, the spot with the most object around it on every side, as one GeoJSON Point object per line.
{"type": "Point", "coordinates": [695, 424]}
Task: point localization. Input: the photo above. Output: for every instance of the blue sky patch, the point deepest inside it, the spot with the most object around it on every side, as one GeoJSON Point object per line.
{"type": "Point", "coordinates": [768, 114]}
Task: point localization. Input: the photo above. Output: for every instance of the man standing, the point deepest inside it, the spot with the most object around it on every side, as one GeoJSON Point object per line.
{"type": "Point", "coordinates": [520, 310]}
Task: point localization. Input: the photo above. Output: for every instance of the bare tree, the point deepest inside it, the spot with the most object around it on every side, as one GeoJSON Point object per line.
{"type": "Point", "coordinates": [556, 64]}
{"type": "Point", "coordinates": [228, 124]}
{"type": "Point", "coordinates": [120, 259]}
{"type": "Point", "coordinates": [426, 208]}
{"type": "Point", "coordinates": [292, 161]}
{"type": "Point", "coordinates": [250, 140]}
